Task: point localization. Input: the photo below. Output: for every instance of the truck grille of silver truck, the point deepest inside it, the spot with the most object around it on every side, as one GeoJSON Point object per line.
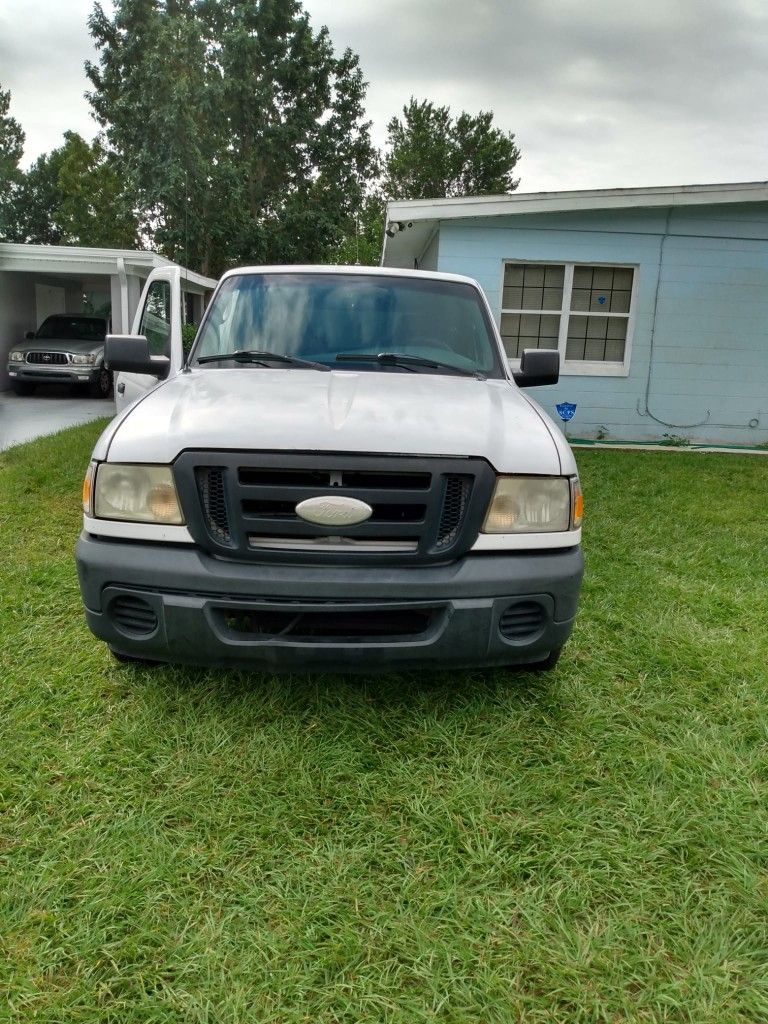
{"type": "Point", "coordinates": [243, 505]}
{"type": "Point", "coordinates": [48, 358]}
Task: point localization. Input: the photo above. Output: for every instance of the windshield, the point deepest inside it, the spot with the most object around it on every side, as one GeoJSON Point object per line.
{"type": "Point", "coordinates": [73, 328]}
{"type": "Point", "coordinates": [320, 317]}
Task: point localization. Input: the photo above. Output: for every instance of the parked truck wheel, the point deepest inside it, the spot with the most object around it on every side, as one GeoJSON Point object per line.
{"type": "Point", "coordinates": [102, 386]}
{"type": "Point", "coordinates": [23, 387]}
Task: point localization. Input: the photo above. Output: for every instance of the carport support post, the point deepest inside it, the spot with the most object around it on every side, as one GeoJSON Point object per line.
{"type": "Point", "coordinates": [118, 287]}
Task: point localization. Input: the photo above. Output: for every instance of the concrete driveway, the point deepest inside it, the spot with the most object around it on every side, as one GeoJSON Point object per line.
{"type": "Point", "coordinates": [46, 412]}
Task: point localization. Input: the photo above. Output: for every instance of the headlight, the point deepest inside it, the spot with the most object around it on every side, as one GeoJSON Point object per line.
{"type": "Point", "coordinates": [16, 356]}
{"type": "Point", "coordinates": [84, 360]}
{"type": "Point", "coordinates": [530, 504]}
{"type": "Point", "coordinates": [141, 494]}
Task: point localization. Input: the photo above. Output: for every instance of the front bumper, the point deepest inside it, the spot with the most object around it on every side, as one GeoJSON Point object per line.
{"type": "Point", "coordinates": [39, 373]}
{"type": "Point", "coordinates": [170, 603]}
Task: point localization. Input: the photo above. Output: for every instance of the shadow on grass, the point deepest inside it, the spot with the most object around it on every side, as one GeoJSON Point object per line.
{"type": "Point", "coordinates": [443, 697]}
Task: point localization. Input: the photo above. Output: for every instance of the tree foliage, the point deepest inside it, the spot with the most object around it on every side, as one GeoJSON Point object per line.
{"type": "Point", "coordinates": [432, 155]}
{"type": "Point", "coordinates": [73, 195]}
{"type": "Point", "coordinates": [34, 216]}
{"type": "Point", "coordinates": [240, 132]}
{"type": "Point", "coordinates": [231, 133]}
{"type": "Point", "coordinates": [95, 207]}
{"type": "Point", "coordinates": [11, 152]}
{"type": "Point", "coordinates": [362, 244]}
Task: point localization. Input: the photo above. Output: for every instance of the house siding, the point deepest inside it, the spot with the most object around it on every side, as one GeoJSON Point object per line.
{"type": "Point", "coordinates": [701, 299]}
{"type": "Point", "coordinates": [429, 259]}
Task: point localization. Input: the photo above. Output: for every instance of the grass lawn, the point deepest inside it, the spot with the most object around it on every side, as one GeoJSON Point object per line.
{"type": "Point", "coordinates": [191, 846]}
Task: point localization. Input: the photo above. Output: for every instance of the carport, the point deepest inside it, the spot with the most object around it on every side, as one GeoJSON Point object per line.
{"type": "Point", "coordinates": [39, 280]}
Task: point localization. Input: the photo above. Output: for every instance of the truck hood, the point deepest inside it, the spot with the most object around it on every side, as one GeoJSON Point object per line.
{"type": "Point", "coordinates": [61, 345]}
{"type": "Point", "coordinates": [341, 411]}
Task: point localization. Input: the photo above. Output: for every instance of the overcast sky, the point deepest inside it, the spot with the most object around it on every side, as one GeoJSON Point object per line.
{"type": "Point", "coordinates": [600, 93]}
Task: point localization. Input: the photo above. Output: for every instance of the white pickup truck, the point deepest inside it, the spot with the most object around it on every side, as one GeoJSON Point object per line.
{"type": "Point", "coordinates": [343, 474]}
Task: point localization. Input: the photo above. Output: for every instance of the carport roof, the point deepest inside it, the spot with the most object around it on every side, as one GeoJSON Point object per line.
{"type": "Point", "coordinates": [421, 217]}
{"type": "Point", "coordinates": [68, 259]}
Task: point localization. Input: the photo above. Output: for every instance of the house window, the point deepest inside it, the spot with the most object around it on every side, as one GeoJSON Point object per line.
{"type": "Point", "coordinates": [582, 310]}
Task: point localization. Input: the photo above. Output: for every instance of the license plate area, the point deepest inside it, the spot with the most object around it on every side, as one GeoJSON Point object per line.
{"type": "Point", "coordinates": [331, 623]}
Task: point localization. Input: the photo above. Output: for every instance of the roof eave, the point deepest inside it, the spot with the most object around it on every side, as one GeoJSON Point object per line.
{"type": "Point", "coordinates": [88, 260]}
{"type": "Point", "coordinates": [517, 203]}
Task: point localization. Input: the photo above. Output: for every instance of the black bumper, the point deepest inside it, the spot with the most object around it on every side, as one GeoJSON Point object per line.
{"type": "Point", "coordinates": [65, 374]}
{"type": "Point", "coordinates": [175, 603]}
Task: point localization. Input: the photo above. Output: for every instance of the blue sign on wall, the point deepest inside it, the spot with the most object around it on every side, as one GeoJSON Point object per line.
{"type": "Point", "coordinates": [565, 410]}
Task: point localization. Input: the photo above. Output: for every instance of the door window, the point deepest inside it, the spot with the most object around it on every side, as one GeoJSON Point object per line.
{"type": "Point", "coordinates": [156, 318]}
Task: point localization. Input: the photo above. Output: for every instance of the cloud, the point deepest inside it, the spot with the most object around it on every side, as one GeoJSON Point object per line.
{"type": "Point", "coordinates": [43, 45]}
{"type": "Point", "coordinates": [599, 92]}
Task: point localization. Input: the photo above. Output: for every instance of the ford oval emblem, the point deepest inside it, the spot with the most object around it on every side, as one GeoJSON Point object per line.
{"type": "Point", "coordinates": [334, 510]}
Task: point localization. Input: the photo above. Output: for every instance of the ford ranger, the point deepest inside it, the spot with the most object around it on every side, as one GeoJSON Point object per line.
{"type": "Point", "coordinates": [344, 473]}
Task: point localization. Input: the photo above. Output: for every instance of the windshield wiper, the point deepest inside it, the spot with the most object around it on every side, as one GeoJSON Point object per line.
{"type": "Point", "coordinates": [262, 358]}
{"type": "Point", "coordinates": [403, 359]}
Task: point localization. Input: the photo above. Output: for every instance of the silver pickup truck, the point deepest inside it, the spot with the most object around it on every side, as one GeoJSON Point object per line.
{"type": "Point", "coordinates": [65, 349]}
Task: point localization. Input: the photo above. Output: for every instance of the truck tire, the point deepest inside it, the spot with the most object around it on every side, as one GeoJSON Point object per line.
{"type": "Point", "coordinates": [103, 386]}
{"type": "Point", "coordinates": [23, 387]}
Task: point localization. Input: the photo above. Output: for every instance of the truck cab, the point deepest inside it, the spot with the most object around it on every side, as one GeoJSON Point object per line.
{"type": "Point", "coordinates": [342, 474]}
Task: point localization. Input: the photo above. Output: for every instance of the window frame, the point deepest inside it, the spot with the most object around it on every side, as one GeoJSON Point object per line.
{"type": "Point", "coordinates": [577, 367]}
{"type": "Point", "coordinates": [166, 285]}
{"type": "Point", "coordinates": [499, 369]}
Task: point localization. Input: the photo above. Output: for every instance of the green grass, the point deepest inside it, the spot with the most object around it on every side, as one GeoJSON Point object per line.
{"type": "Point", "coordinates": [193, 846]}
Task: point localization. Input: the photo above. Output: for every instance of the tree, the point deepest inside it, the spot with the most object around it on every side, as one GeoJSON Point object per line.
{"type": "Point", "coordinates": [432, 156]}
{"type": "Point", "coordinates": [34, 215]}
{"type": "Point", "coordinates": [362, 243]}
{"type": "Point", "coordinates": [95, 208]}
{"type": "Point", "coordinates": [11, 151]}
{"type": "Point", "coordinates": [73, 195]}
{"type": "Point", "coordinates": [240, 132]}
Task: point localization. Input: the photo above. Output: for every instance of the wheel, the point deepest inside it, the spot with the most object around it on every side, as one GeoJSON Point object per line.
{"type": "Point", "coordinates": [103, 385]}
{"type": "Point", "coordinates": [131, 659]}
{"type": "Point", "coordinates": [23, 387]}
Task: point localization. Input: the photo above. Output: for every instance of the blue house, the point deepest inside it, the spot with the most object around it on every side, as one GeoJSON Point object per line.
{"type": "Point", "coordinates": [657, 298]}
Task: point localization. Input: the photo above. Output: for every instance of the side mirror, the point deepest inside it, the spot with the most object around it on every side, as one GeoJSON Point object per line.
{"type": "Point", "coordinates": [130, 353]}
{"type": "Point", "coordinates": [538, 366]}
{"type": "Point", "coordinates": [30, 336]}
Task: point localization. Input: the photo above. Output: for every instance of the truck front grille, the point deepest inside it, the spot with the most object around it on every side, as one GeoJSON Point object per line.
{"type": "Point", "coordinates": [457, 490]}
{"type": "Point", "coordinates": [243, 505]}
{"type": "Point", "coordinates": [210, 485]}
{"type": "Point", "coordinates": [48, 358]}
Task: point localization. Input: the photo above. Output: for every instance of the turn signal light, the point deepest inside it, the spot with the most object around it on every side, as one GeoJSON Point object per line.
{"type": "Point", "coordinates": [577, 503]}
{"type": "Point", "coordinates": [88, 490]}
